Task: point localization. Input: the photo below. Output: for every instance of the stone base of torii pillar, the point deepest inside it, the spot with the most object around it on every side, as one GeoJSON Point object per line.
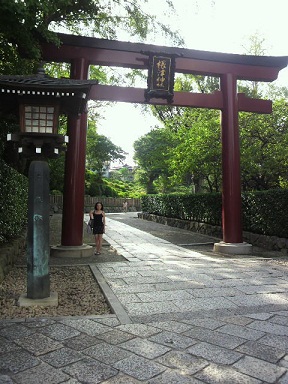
{"type": "Point", "coordinates": [233, 248]}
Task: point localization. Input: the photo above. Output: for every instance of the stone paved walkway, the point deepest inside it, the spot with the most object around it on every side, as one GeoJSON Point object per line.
{"type": "Point", "coordinates": [181, 315]}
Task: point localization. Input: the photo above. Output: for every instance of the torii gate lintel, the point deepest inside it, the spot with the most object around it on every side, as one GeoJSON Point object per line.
{"type": "Point", "coordinates": [83, 51]}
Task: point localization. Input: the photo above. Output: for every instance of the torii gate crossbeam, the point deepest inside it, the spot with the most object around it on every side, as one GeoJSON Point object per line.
{"type": "Point", "coordinates": [84, 51]}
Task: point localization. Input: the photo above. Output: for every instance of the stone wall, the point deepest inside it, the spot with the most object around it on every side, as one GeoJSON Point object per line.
{"type": "Point", "coordinates": [268, 242]}
{"type": "Point", "coordinates": [111, 204]}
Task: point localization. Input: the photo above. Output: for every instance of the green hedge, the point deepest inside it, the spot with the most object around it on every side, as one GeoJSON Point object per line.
{"type": "Point", "coordinates": [13, 202]}
{"type": "Point", "coordinates": [264, 212]}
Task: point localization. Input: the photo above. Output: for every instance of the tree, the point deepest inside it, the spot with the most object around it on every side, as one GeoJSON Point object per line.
{"type": "Point", "coordinates": [152, 152]}
{"type": "Point", "coordinates": [196, 158]}
{"type": "Point", "coordinates": [24, 24]}
{"type": "Point", "coordinates": [100, 150]}
{"type": "Point", "coordinates": [264, 140]}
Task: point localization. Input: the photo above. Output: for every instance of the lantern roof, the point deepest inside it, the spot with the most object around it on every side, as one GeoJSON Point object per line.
{"type": "Point", "coordinates": [71, 94]}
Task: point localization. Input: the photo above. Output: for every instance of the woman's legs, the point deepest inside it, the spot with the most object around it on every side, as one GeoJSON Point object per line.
{"type": "Point", "coordinates": [98, 242]}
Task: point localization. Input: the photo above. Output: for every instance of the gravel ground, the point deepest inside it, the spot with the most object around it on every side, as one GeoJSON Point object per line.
{"type": "Point", "coordinates": [78, 294]}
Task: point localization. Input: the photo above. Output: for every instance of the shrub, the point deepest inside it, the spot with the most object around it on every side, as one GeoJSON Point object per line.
{"type": "Point", "coordinates": [13, 202]}
{"type": "Point", "coordinates": [264, 212]}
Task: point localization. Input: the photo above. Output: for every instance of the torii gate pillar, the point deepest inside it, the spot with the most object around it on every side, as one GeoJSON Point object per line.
{"type": "Point", "coordinates": [231, 174]}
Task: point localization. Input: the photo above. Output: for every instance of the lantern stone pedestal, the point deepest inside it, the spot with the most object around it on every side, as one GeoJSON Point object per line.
{"type": "Point", "coordinates": [51, 301]}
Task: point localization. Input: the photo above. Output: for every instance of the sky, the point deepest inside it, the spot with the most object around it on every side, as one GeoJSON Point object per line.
{"type": "Point", "coordinates": [224, 27]}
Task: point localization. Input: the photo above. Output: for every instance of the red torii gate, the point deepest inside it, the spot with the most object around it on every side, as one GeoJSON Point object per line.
{"type": "Point", "coordinates": [84, 51]}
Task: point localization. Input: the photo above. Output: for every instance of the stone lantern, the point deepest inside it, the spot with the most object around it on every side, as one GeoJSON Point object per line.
{"type": "Point", "coordinates": [39, 100]}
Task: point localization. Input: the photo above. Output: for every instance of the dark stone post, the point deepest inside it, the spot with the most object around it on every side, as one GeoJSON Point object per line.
{"type": "Point", "coordinates": [38, 251]}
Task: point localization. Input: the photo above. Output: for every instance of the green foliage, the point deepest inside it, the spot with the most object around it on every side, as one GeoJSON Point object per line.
{"type": "Point", "coordinates": [13, 202]}
{"type": "Point", "coordinates": [264, 212]}
{"type": "Point", "coordinates": [101, 186]}
{"type": "Point", "coordinates": [125, 188]}
{"type": "Point", "coordinates": [100, 150]}
{"type": "Point", "coordinates": [24, 24]}
{"type": "Point", "coordinates": [204, 208]}
{"type": "Point", "coordinates": [152, 152]}
{"type": "Point", "coordinates": [57, 167]}
{"type": "Point", "coordinates": [264, 140]}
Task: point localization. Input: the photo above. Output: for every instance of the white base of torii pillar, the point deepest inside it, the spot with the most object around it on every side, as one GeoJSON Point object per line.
{"type": "Point", "coordinates": [233, 248]}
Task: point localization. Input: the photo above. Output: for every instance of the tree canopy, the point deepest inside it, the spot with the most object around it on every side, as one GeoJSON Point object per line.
{"type": "Point", "coordinates": [25, 23]}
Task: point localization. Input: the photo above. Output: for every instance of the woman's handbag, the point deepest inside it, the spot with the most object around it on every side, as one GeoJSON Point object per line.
{"type": "Point", "coordinates": [90, 226]}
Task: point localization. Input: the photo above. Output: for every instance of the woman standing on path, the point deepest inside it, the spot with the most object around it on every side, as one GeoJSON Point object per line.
{"type": "Point", "coordinates": [98, 216]}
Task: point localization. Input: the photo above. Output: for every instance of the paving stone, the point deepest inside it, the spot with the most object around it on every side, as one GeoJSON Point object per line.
{"type": "Point", "coordinates": [214, 353]}
{"type": "Point", "coordinates": [62, 357]}
{"type": "Point", "coordinates": [110, 321]}
{"type": "Point", "coordinates": [38, 344]}
{"type": "Point", "coordinates": [174, 377]}
{"type": "Point", "coordinates": [134, 288]}
{"type": "Point", "coordinates": [16, 331]}
{"type": "Point", "coordinates": [205, 303]}
{"type": "Point", "coordinates": [173, 340]}
{"type": "Point", "coordinates": [282, 320]}
{"type": "Point", "coordinates": [5, 379]}
{"type": "Point", "coordinates": [116, 336]}
{"type": "Point", "coordinates": [59, 332]}
{"type": "Point", "coordinates": [173, 326]}
{"type": "Point", "coordinates": [283, 379]}
{"type": "Point", "coordinates": [183, 361]}
{"type": "Point", "coordinates": [7, 346]}
{"type": "Point", "coordinates": [261, 351]}
{"type": "Point", "coordinates": [141, 330]}
{"type": "Point", "coordinates": [150, 308]}
{"type": "Point", "coordinates": [237, 320]}
{"type": "Point", "coordinates": [38, 323]}
{"type": "Point", "coordinates": [17, 361]}
{"type": "Point", "coordinates": [178, 285]}
{"type": "Point", "coordinates": [244, 332]}
{"type": "Point", "coordinates": [250, 290]}
{"type": "Point", "coordinates": [259, 369]}
{"type": "Point", "coordinates": [88, 326]}
{"type": "Point", "coordinates": [211, 324]}
{"type": "Point", "coordinates": [81, 342]}
{"type": "Point", "coordinates": [214, 337]}
{"type": "Point", "coordinates": [139, 368]}
{"type": "Point", "coordinates": [122, 379]}
{"type": "Point", "coordinates": [121, 274]}
{"type": "Point", "coordinates": [90, 371]}
{"type": "Point", "coordinates": [128, 298]}
{"type": "Point", "coordinates": [189, 305]}
{"type": "Point", "coordinates": [42, 373]}
{"type": "Point", "coordinates": [213, 292]}
{"type": "Point", "coordinates": [284, 362]}
{"type": "Point", "coordinates": [164, 295]}
{"type": "Point", "coordinates": [219, 374]}
{"type": "Point", "coordinates": [146, 280]}
{"type": "Point", "coordinates": [145, 348]}
{"type": "Point", "coordinates": [283, 313]}
{"type": "Point", "coordinates": [267, 326]}
{"type": "Point", "coordinates": [258, 299]}
{"type": "Point", "coordinates": [280, 342]}
{"type": "Point", "coordinates": [259, 316]}
{"type": "Point", "coordinates": [107, 353]}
